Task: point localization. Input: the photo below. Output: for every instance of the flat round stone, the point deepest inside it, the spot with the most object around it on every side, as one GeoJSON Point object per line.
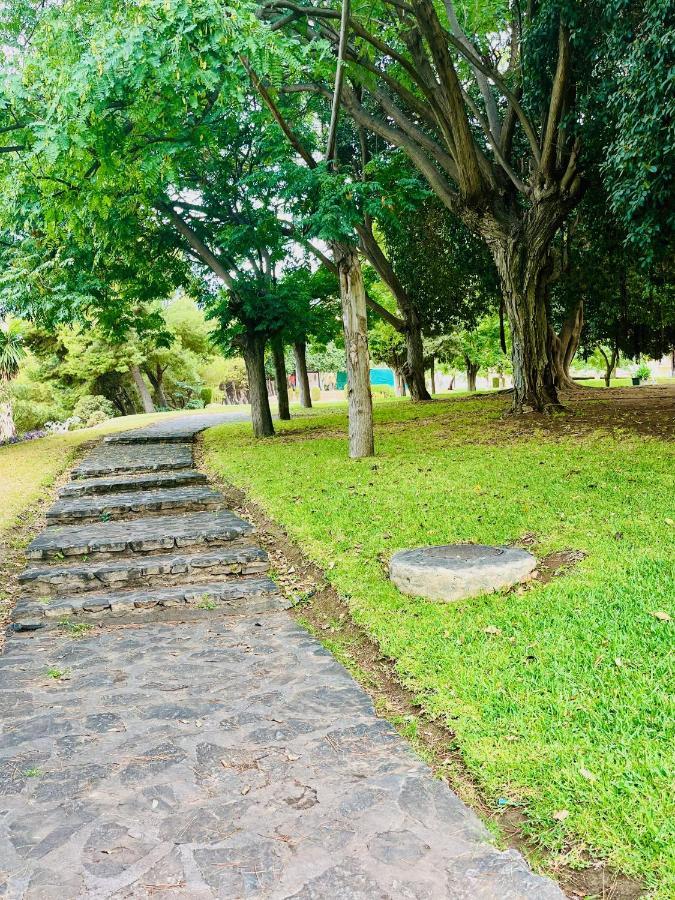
{"type": "Point", "coordinates": [455, 571]}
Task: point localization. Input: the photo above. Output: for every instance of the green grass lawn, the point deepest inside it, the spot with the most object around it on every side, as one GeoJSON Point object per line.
{"type": "Point", "coordinates": [568, 705]}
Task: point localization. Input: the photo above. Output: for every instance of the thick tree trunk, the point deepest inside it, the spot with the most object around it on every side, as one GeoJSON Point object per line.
{"type": "Point", "coordinates": [523, 272]}
{"type": "Point", "coordinates": [142, 388]}
{"type": "Point", "coordinates": [253, 346]}
{"type": "Point", "coordinates": [300, 351]}
{"type": "Point", "coordinates": [432, 374]}
{"type": "Point", "coordinates": [360, 401]}
{"type": "Point", "coordinates": [281, 378]}
{"type": "Point", "coordinates": [471, 373]}
{"type": "Point", "coordinates": [7, 426]}
{"type": "Point", "coordinates": [399, 381]}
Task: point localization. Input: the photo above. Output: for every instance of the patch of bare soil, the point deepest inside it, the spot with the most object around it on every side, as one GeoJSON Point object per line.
{"type": "Point", "coordinates": [328, 615]}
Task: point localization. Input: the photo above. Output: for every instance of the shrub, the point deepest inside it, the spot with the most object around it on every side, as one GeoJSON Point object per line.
{"type": "Point", "coordinates": [643, 372]}
{"type": "Point", "coordinates": [195, 403]}
{"type": "Point", "coordinates": [98, 417]}
{"type": "Point", "coordinates": [31, 415]}
{"type": "Point", "coordinates": [206, 394]}
{"type": "Point", "coordinates": [315, 393]}
{"type": "Point", "coordinates": [89, 404]}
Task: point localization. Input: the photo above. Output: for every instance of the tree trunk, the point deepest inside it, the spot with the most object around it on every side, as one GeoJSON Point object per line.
{"type": "Point", "coordinates": [360, 401]}
{"type": "Point", "coordinates": [281, 378]}
{"type": "Point", "coordinates": [413, 369]}
{"type": "Point", "coordinates": [523, 273]}
{"type": "Point", "coordinates": [142, 388]}
{"type": "Point", "coordinates": [610, 363]}
{"type": "Point", "coordinates": [432, 374]}
{"type": "Point", "coordinates": [7, 426]}
{"type": "Point", "coordinates": [157, 382]}
{"type": "Point", "coordinates": [300, 350]}
{"type": "Point", "coordinates": [564, 346]}
{"type": "Point", "coordinates": [471, 373]}
{"type": "Point", "coordinates": [253, 346]}
{"type": "Point", "coordinates": [400, 383]}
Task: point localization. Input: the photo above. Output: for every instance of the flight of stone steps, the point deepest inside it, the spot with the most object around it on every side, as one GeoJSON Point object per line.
{"type": "Point", "coordinates": [138, 533]}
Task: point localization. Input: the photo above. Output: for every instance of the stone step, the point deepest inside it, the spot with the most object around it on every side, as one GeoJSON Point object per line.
{"type": "Point", "coordinates": [121, 483]}
{"type": "Point", "coordinates": [241, 595]}
{"type": "Point", "coordinates": [106, 507]}
{"type": "Point", "coordinates": [115, 459]}
{"type": "Point", "coordinates": [168, 568]}
{"type": "Point", "coordinates": [139, 535]}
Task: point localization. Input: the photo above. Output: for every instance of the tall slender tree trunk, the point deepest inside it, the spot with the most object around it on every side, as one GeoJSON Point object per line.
{"type": "Point", "coordinates": [300, 351]}
{"type": "Point", "coordinates": [142, 388]}
{"type": "Point", "coordinates": [360, 401]}
{"type": "Point", "coordinates": [253, 348]}
{"type": "Point", "coordinates": [523, 272]}
{"type": "Point", "coordinates": [432, 374]}
{"type": "Point", "coordinates": [281, 377]}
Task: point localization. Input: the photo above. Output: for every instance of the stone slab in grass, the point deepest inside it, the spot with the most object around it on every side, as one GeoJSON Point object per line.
{"type": "Point", "coordinates": [94, 507]}
{"type": "Point", "coordinates": [121, 483]}
{"type": "Point", "coordinates": [455, 571]}
{"type": "Point", "coordinates": [139, 535]}
{"type": "Point", "coordinates": [115, 459]}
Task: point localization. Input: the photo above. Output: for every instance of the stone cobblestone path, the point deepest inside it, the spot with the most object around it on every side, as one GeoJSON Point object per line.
{"type": "Point", "coordinates": [168, 731]}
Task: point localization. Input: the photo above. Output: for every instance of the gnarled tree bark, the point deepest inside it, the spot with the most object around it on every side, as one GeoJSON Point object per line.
{"type": "Point", "coordinates": [563, 347]}
{"type": "Point", "coordinates": [471, 373]}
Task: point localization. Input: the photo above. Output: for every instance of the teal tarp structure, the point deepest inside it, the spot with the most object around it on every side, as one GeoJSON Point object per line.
{"type": "Point", "coordinates": [377, 376]}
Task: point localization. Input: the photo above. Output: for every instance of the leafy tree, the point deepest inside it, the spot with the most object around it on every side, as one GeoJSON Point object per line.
{"type": "Point", "coordinates": [475, 350]}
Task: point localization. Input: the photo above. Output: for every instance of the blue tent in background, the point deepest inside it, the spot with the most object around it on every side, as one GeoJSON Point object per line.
{"type": "Point", "coordinates": [377, 376]}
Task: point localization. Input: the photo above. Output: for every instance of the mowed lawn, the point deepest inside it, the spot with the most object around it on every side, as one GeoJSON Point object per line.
{"type": "Point", "coordinates": [560, 695]}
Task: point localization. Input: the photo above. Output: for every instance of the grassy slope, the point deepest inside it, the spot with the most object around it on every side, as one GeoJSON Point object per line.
{"type": "Point", "coordinates": [567, 707]}
{"type": "Point", "coordinates": [26, 469]}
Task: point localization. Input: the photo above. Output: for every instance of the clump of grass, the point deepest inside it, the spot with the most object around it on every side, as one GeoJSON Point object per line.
{"type": "Point", "coordinates": [75, 629]}
{"type": "Point", "coordinates": [56, 673]}
{"type": "Point", "coordinates": [32, 773]}
{"type": "Point", "coordinates": [207, 603]}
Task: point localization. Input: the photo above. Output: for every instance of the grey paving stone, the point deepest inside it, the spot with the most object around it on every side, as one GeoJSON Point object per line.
{"type": "Point", "coordinates": [168, 568]}
{"type": "Point", "coordinates": [139, 535]}
{"type": "Point", "coordinates": [181, 428]}
{"type": "Point", "coordinates": [116, 506]}
{"type": "Point", "coordinates": [108, 460]}
{"type": "Point", "coordinates": [123, 483]}
{"type": "Point", "coordinates": [168, 784]}
{"type": "Point", "coordinates": [234, 595]}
